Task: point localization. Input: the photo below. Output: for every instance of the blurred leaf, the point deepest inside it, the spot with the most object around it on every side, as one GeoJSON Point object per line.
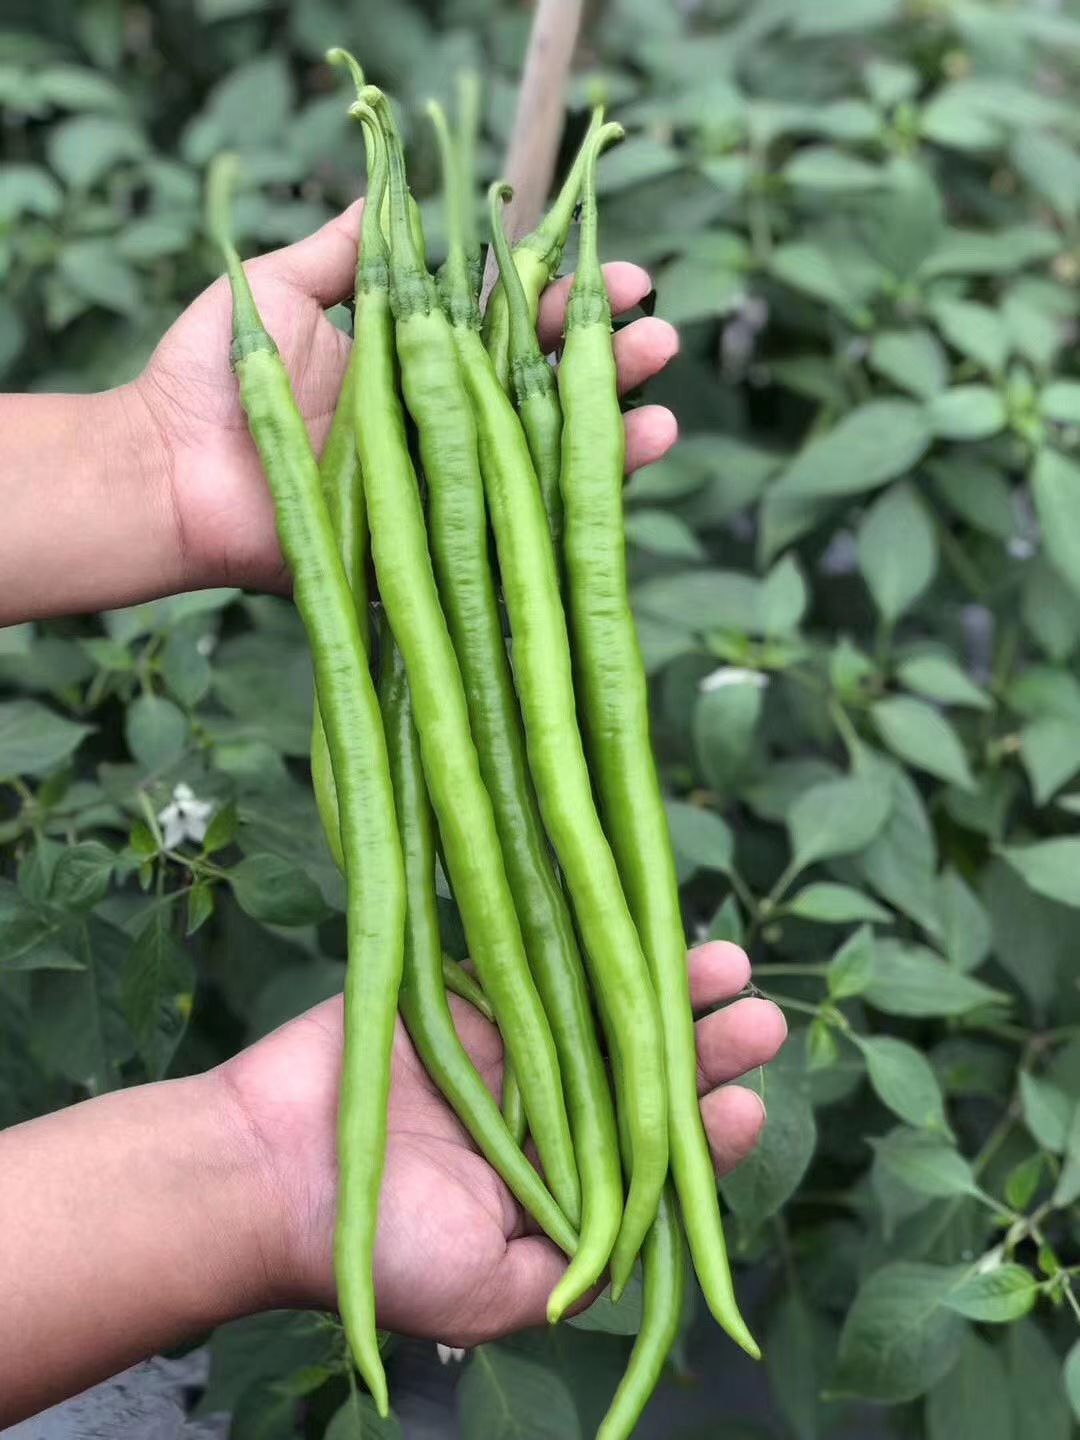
{"type": "Point", "coordinates": [1055, 485]}
{"type": "Point", "coordinates": [940, 678]}
{"type": "Point", "coordinates": [897, 551]}
{"type": "Point", "coordinates": [1050, 750]}
{"type": "Point", "coordinates": [34, 740]}
{"type": "Point", "coordinates": [820, 167]}
{"type": "Point", "coordinates": [875, 443]}
{"type": "Point", "coordinates": [662, 533]}
{"type": "Point", "coordinates": [156, 732]}
{"type": "Point", "coordinates": [912, 359]}
{"type": "Point", "coordinates": [359, 1420]}
{"type": "Point", "coordinates": [272, 890]}
{"type": "Point", "coordinates": [967, 412]}
{"type": "Point", "coordinates": [912, 980]}
{"type": "Point", "coordinates": [764, 1181]}
{"type": "Point", "coordinates": [799, 1353]}
{"type": "Point", "coordinates": [975, 330]}
{"type": "Point", "coordinates": [699, 836]}
{"type": "Point", "coordinates": [1051, 167]}
{"type": "Point", "coordinates": [1038, 1397]}
{"type": "Point", "coordinates": [1049, 867]}
{"type": "Point", "coordinates": [973, 1398]}
{"type": "Point", "coordinates": [613, 1318]}
{"type": "Point", "coordinates": [837, 817]}
{"type": "Point", "coordinates": [833, 904]}
{"type": "Point", "coordinates": [82, 151]}
{"type": "Point", "coordinates": [899, 1338]}
{"type": "Point", "coordinates": [997, 1296]}
{"type": "Point", "coordinates": [904, 1081]}
{"type": "Point", "coordinates": [503, 1396]}
{"type": "Point", "coordinates": [852, 967]}
{"type": "Point", "coordinates": [925, 1162]}
{"type": "Point", "coordinates": [919, 735]}
{"type": "Point", "coordinates": [156, 992]}
{"type": "Point", "coordinates": [82, 875]}
{"type": "Point", "coordinates": [1047, 1111]}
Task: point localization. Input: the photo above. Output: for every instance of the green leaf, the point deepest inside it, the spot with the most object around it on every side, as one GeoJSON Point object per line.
{"type": "Point", "coordinates": [504, 1396]}
{"type": "Point", "coordinates": [967, 934]}
{"type": "Point", "coordinates": [662, 533]}
{"type": "Point", "coordinates": [1047, 1111]}
{"type": "Point", "coordinates": [798, 1355]}
{"type": "Point", "coordinates": [811, 270]}
{"type": "Point", "coordinates": [156, 993]}
{"type": "Point", "coordinates": [30, 939]}
{"type": "Point", "coordinates": [899, 1338]}
{"type": "Point", "coordinates": [995, 1296]}
{"type": "Point", "coordinates": [903, 1080]}
{"type": "Point", "coordinates": [1060, 401]}
{"type": "Point", "coordinates": [763, 1182]}
{"type": "Point", "coordinates": [95, 271]}
{"type": "Point", "coordinates": [82, 151]}
{"type": "Point", "coordinates": [724, 724]}
{"type": "Point", "coordinates": [821, 167]}
{"type": "Point", "coordinates": [690, 289]}
{"type": "Point", "coordinates": [1051, 611]}
{"type": "Point", "coordinates": [1049, 867]}
{"type": "Point", "coordinates": [1039, 1403]}
{"type": "Point", "coordinates": [852, 967]}
{"type": "Point", "coordinates": [82, 875]}
{"type": "Point", "coordinates": [912, 359]}
{"type": "Point", "coordinates": [34, 740]}
{"type": "Point", "coordinates": [833, 904]}
{"type": "Point", "coordinates": [975, 330]}
{"type": "Point", "coordinates": [897, 550]}
{"type": "Point", "coordinates": [921, 737]}
{"type": "Point", "coordinates": [262, 1348]}
{"type": "Point", "coordinates": [875, 443]}
{"type": "Point", "coordinates": [940, 678]}
{"type": "Point", "coordinates": [268, 888]}
{"type": "Point", "coordinates": [967, 412]}
{"type": "Point", "coordinates": [925, 1162]}
{"type": "Point", "coordinates": [1072, 1378]}
{"type": "Point", "coordinates": [156, 731]}
{"type": "Point", "coordinates": [1050, 750]}
{"type": "Point", "coordinates": [1051, 167]}
{"type": "Point", "coordinates": [901, 861]}
{"type": "Point", "coordinates": [1055, 485]}
{"type": "Point", "coordinates": [977, 492]}
{"type": "Point", "coordinates": [911, 980]}
{"type": "Point", "coordinates": [359, 1420]}
{"type": "Point", "coordinates": [622, 1317]}
{"type": "Point", "coordinates": [1067, 1188]}
{"type": "Point", "coordinates": [973, 1398]}
{"type": "Point", "coordinates": [77, 1024]}
{"type": "Point", "coordinates": [699, 836]}
{"type": "Point", "coordinates": [837, 817]}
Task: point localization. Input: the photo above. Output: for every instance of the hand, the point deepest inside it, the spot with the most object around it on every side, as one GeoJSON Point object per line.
{"type": "Point", "coordinates": [221, 504]}
{"type": "Point", "coordinates": [456, 1259]}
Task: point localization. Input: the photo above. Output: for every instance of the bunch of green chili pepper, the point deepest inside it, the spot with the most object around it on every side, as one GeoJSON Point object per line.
{"type": "Point", "coordinates": [478, 492]}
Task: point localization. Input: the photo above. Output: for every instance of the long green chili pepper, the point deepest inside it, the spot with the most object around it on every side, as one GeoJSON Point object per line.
{"type": "Point", "coordinates": [614, 698]}
{"type": "Point", "coordinates": [468, 129]}
{"type": "Point", "coordinates": [537, 257]}
{"type": "Point", "coordinates": [346, 60]}
{"type": "Point", "coordinates": [403, 566]}
{"type": "Point", "coordinates": [563, 787]}
{"type": "Point", "coordinates": [664, 1273]}
{"type": "Point", "coordinates": [423, 995]}
{"type": "Point", "coordinates": [349, 708]}
{"type": "Point", "coordinates": [546, 923]}
{"type": "Point", "coordinates": [513, 1111]}
{"type": "Point", "coordinates": [458, 980]}
{"type": "Point", "coordinates": [533, 386]}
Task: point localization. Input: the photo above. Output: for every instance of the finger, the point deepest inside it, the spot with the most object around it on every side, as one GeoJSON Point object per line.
{"type": "Point", "coordinates": [737, 1039]}
{"type": "Point", "coordinates": [650, 434]}
{"type": "Point", "coordinates": [324, 264]}
{"type": "Point", "coordinates": [627, 285]}
{"type": "Point", "coordinates": [718, 971]}
{"type": "Point", "coordinates": [642, 350]}
{"type": "Point", "coordinates": [734, 1119]}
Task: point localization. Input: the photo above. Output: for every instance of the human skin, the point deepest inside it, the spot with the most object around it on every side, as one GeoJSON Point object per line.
{"type": "Point", "coordinates": [138, 1220]}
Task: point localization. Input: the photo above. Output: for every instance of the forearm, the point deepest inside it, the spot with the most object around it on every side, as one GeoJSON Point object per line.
{"type": "Point", "coordinates": [85, 497]}
{"type": "Point", "coordinates": [128, 1224]}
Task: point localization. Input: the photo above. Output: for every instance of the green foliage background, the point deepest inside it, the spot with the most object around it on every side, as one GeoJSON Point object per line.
{"type": "Point", "coordinates": [858, 585]}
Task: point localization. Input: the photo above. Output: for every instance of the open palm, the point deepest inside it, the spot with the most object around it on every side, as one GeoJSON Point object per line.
{"type": "Point", "coordinates": [221, 502]}
{"type": "Point", "coordinates": [457, 1260]}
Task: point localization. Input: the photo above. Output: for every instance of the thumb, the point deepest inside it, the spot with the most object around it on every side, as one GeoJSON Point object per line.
{"type": "Point", "coordinates": [515, 1295]}
{"type": "Point", "coordinates": [322, 265]}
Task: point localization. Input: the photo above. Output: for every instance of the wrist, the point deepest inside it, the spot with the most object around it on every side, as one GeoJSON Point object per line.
{"type": "Point", "coordinates": [85, 488]}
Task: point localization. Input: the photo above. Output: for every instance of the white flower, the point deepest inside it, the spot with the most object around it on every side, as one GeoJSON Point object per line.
{"type": "Point", "coordinates": [732, 675]}
{"type": "Point", "coordinates": [449, 1352]}
{"type": "Point", "coordinates": [184, 818]}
